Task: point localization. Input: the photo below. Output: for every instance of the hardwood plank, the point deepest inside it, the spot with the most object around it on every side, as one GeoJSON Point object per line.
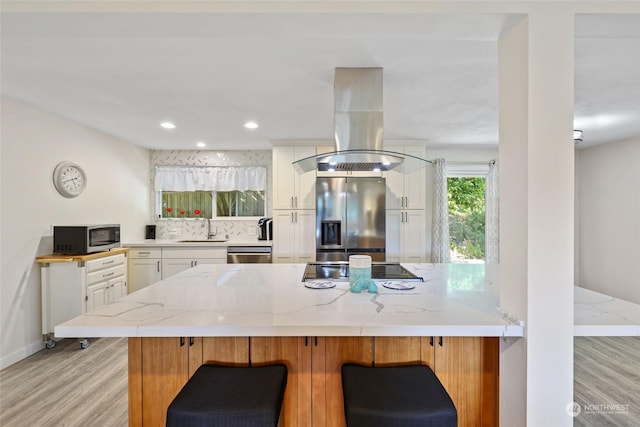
{"type": "Point", "coordinates": [135, 381]}
{"type": "Point", "coordinates": [68, 386]}
{"type": "Point", "coordinates": [607, 372]}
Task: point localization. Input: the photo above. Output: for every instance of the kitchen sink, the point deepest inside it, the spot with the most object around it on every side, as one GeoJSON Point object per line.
{"type": "Point", "coordinates": [204, 241]}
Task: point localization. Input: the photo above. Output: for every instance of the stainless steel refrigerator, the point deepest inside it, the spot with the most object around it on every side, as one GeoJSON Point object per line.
{"type": "Point", "coordinates": [350, 218]}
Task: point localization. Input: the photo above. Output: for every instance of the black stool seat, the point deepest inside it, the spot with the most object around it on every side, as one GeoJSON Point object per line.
{"type": "Point", "coordinates": [395, 396]}
{"type": "Point", "coordinates": [229, 396]}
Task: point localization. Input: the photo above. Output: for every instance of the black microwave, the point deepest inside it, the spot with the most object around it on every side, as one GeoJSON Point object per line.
{"type": "Point", "coordinates": [85, 239]}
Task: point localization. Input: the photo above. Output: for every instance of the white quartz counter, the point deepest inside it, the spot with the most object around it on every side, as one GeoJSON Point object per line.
{"type": "Point", "coordinates": [182, 243]}
{"type": "Point", "coordinates": [596, 314]}
{"type": "Point", "coordinates": [271, 300]}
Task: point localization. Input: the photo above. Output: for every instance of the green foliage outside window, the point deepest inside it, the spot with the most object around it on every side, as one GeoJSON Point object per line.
{"type": "Point", "coordinates": [466, 217]}
{"type": "Point", "coordinates": [240, 203]}
{"type": "Point", "coordinates": [199, 204]}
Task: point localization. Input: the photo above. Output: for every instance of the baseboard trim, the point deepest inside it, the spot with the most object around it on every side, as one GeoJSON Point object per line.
{"type": "Point", "coordinates": [20, 354]}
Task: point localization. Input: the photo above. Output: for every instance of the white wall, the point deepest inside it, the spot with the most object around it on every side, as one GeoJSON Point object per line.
{"type": "Point", "coordinates": [608, 197]}
{"type": "Point", "coordinates": [33, 142]}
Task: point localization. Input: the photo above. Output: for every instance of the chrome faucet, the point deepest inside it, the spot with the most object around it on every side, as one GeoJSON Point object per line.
{"type": "Point", "coordinates": [210, 235]}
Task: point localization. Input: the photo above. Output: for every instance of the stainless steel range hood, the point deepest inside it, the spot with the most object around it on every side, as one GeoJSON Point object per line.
{"type": "Point", "coordinates": [358, 126]}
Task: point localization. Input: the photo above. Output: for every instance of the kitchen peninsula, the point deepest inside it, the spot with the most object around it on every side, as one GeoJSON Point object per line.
{"type": "Point", "coordinates": [260, 313]}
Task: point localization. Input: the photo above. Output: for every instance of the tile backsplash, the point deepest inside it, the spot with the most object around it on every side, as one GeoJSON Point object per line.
{"type": "Point", "coordinates": [180, 229]}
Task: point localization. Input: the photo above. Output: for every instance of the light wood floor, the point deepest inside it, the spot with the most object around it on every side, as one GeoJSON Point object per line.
{"type": "Point", "coordinates": [607, 372]}
{"type": "Point", "coordinates": [67, 386]}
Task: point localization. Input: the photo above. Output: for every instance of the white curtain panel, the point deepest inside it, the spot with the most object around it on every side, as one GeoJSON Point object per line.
{"type": "Point", "coordinates": [492, 228]}
{"type": "Point", "coordinates": [440, 251]}
{"type": "Point", "coordinates": [197, 178]}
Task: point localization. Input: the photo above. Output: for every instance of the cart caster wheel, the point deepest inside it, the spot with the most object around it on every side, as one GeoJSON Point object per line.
{"type": "Point", "coordinates": [84, 344]}
{"type": "Point", "coordinates": [49, 344]}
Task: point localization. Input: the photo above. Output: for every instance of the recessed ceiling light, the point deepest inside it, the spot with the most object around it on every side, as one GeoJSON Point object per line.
{"type": "Point", "coordinates": [251, 125]}
{"type": "Point", "coordinates": [201, 144]}
{"type": "Point", "coordinates": [167, 125]}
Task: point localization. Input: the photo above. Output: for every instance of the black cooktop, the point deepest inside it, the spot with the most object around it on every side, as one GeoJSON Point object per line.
{"type": "Point", "coordinates": [339, 271]}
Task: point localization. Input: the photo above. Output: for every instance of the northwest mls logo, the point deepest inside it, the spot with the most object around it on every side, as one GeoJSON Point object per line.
{"type": "Point", "coordinates": [574, 409]}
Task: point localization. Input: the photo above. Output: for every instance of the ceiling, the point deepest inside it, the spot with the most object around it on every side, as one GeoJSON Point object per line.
{"type": "Point", "coordinates": [125, 73]}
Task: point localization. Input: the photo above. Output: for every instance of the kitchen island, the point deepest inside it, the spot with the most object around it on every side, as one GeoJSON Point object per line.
{"type": "Point", "coordinates": [259, 313]}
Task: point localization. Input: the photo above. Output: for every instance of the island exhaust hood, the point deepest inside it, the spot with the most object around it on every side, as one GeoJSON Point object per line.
{"type": "Point", "coordinates": [358, 128]}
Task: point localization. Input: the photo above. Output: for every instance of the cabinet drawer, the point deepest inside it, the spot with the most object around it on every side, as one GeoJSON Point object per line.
{"type": "Point", "coordinates": [106, 274]}
{"type": "Point", "coordinates": [106, 262]}
{"type": "Point", "coordinates": [145, 253]}
{"type": "Point", "coordinates": [193, 253]}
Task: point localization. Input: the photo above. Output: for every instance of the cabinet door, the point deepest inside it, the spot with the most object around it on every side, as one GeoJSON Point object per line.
{"type": "Point", "coordinates": [305, 233]}
{"type": "Point", "coordinates": [414, 182]}
{"type": "Point", "coordinates": [143, 272]}
{"type": "Point", "coordinates": [468, 369]}
{"type": "Point", "coordinates": [283, 182]}
{"type": "Point", "coordinates": [97, 295]}
{"type": "Point", "coordinates": [292, 190]}
{"type": "Point", "coordinates": [329, 354]}
{"type": "Point", "coordinates": [171, 266]}
{"type": "Point", "coordinates": [165, 370]}
{"type": "Point", "coordinates": [305, 193]}
{"type": "Point", "coordinates": [284, 236]}
{"type": "Point", "coordinates": [414, 236]}
{"type": "Point", "coordinates": [117, 288]}
{"type": "Point", "coordinates": [394, 242]}
{"type": "Point", "coordinates": [295, 353]}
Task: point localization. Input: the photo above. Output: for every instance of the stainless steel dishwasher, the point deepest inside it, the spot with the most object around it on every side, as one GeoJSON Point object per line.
{"type": "Point", "coordinates": [248, 254]}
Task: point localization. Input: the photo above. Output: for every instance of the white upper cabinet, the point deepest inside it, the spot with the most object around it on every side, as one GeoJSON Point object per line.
{"type": "Point", "coordinates": [292, 190]}
{"type": "Point", "coordinates": [406, 191]}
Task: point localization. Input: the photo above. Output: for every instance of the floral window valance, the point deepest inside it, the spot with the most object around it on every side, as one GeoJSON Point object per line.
{"type": "Point", "coordinates": [210, 178]}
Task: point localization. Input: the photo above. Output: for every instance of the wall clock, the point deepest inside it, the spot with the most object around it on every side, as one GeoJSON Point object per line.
{"type": "Point", "coordinates": [69, 179]}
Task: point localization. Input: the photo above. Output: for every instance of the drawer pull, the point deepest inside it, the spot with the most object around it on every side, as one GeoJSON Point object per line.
{"type": "Point", "coordinates": [109, 262]}
{"type": "Point", "coordinates": [144, 253]}
{"type": "Point", "coordinates": [109, 274]}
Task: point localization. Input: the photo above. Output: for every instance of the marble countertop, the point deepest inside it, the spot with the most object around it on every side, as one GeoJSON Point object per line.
{"type": "Point", "coordinates": [597, 314]}
{"type": "Point", "coordinates": [181, 243]}
{"type": "Point", "coordinates": [271, 300]}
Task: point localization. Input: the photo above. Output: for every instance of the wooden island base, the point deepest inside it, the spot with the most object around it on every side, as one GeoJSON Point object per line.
{"type": "Point", "coordinates": [467, 367]}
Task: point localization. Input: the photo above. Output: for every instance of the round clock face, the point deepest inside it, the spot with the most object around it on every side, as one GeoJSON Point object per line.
{"type": "Point", "coordinates": [69, 179]}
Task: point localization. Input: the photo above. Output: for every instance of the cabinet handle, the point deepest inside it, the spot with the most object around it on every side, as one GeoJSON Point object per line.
{"type": "Point", "coordinates": [296, 199]}
{"type": "Point", "coordinates": [181, 341]}
{"type": "Point", "coordinates": [144, 253]}
{"type": "Point", "coordinates": [292, 205]}
{"type": "Point", "coordinates": [315, 341]}
{"type": "Point", "coordinates": [440, 341]}
{"type": "Point", "coordinates": [191, 341]}
{"type": "Point", "coordinates": [406, 201]}
{"type": "Point", "coordinates": [109, 274]}
{"type": "Point", "coordinates": [296, 217]}
{"type": "Point", "coordinates": [158, 266]}
{"type": "Point", "coordinates": [431, 341]}
{"type": "Point", "coordinates": [306, 341]}
{"type": "Point", "coordinates": [109, 262]}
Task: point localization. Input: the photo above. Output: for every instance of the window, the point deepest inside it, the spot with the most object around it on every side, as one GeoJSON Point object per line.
{"type": "Point", "coordinates": [466, 187]}
{"type": "Point", "coordinates": [466, 218]}
{"type": "Point", "coordinates": [210, 192]}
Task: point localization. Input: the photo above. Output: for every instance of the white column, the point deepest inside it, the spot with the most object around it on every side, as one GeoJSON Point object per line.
{"type": "Point", "coordinates": [537, 216]}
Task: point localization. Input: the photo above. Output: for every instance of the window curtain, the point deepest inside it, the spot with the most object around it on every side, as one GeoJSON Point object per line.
{"type": "Point", "coordinates": [492, 228]}
{"type": "Point", "coordinates": [195, 178]}
{"type": "Point", "coordinates": [440, 251]}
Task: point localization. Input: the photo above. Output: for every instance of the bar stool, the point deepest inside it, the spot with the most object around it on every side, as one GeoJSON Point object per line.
{"type": "Point", "coordinates": [230, 396]}
{"type": "Point", "coordinates": [404, 396]}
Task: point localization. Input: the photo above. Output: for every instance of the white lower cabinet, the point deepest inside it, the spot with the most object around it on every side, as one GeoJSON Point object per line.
{"type": "Point", "coordinates": [175, 260]}
{"type": "Point", "coordinates": [106, 281]}
{"type": "Point", "coordinates": [406, 236]}
{"type": "Point", "coordinates": [145, 267]}
{"type": "Point", "coordinates": [294, 236]}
